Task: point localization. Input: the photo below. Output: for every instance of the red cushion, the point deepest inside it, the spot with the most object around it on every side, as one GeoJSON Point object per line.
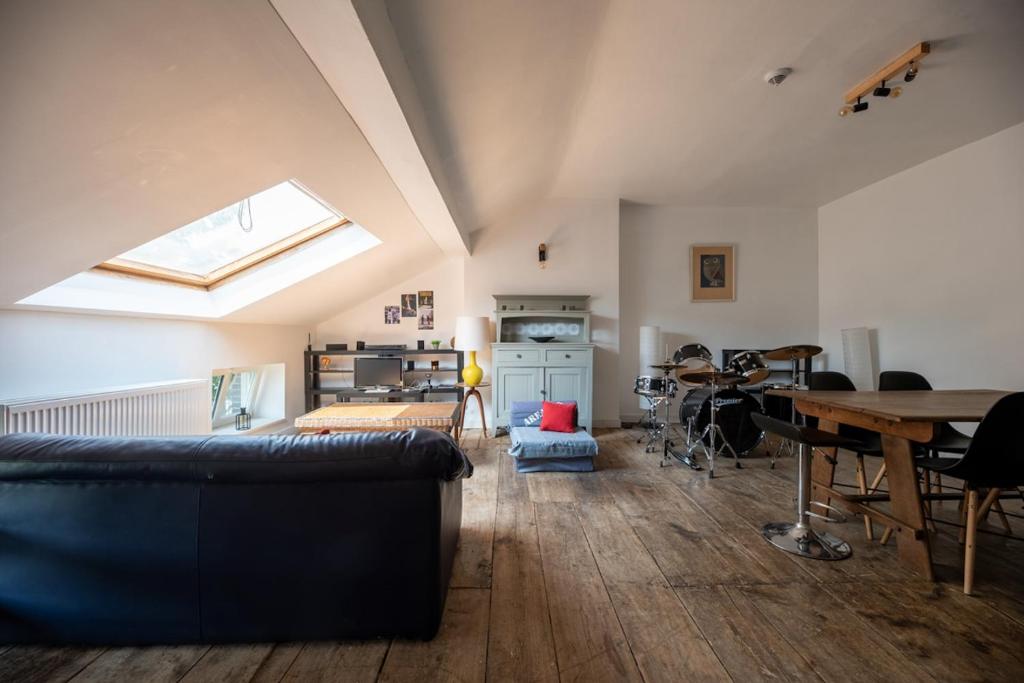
{"type": "Point", "coordinates": [558, 417]}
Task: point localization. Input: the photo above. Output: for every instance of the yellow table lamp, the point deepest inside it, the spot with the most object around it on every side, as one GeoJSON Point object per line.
{"type": "Point", "coordinates": [472, 334]}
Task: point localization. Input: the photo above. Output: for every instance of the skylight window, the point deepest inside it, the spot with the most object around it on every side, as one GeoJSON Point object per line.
{"type": "Point", "coordinates": [232, 239]}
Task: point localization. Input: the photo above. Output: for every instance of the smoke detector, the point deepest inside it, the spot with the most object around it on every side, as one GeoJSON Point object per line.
{"type": "Point", "coordinates": [776, 76]}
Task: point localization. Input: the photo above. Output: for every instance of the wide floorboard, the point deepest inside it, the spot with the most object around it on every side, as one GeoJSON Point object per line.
{"type": "Point", "coordinates": [639, 572]}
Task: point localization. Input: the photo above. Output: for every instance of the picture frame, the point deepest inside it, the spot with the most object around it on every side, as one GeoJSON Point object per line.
{"type": "Point", "coordinates": [712, 272]}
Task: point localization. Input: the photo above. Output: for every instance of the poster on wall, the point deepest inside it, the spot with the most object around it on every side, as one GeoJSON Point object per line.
{"type": "Point", "coordinates": [713, 272]}
{"type": "Point", "coordinates": [392, 315]}
{"type": "Point", "coordinates": [427, 298]}
{"type": "Point", "coordinates": [426, 316]}
{"type": "Point", "coordinates": [408, 305]}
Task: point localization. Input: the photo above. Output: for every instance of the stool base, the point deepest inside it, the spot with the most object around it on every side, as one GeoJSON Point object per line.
{"type": "Point", "coordinates": [805, 541]}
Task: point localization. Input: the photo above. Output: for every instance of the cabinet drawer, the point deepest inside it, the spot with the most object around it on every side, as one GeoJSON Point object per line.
{"type": "Point", "coordinates": [566, 356]}
{"type": "Point", "coordinates": [518, 355]}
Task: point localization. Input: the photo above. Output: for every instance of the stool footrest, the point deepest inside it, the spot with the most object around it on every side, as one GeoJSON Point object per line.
{"type": "Point", "coordinates": [825, 517]}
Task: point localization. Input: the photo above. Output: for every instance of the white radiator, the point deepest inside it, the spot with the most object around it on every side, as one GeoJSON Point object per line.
{"type": "Point", "coordinates": [158, 409]}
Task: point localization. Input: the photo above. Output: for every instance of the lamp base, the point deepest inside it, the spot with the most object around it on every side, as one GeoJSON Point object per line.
{"type": "Point", "coordinates": [472, 374]}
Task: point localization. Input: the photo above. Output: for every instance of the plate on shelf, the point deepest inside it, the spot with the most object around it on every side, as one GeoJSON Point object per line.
{"type": "Point", "coordinates": [542, 340]}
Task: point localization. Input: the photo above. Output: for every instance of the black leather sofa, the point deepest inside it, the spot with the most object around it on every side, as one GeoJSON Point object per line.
{"type": "Point", "coordinates": [226, 539]}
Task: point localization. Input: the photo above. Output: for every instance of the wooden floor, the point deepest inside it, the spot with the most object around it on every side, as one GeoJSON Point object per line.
{"type": "Point", "coordinates": [637, 572]}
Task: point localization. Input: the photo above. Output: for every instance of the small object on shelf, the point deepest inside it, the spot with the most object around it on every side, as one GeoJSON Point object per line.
{"type": "Point", "coordinates": [435, 365]}
{"type": "Point", "coordinates": [542, 340]}
{"type": "Point", "coordinates": [420, 344]}
{"type": "Point", "coordinates": [436, 343]}
{"type": "Point", "coordinates": [542, 254]}
{"type": "Point", "coordinates": [410, 365]}
{"type": "Point", "coordinates": [243, 420]}
{"type": "Point", "coordinates": [325, 362]}
{"type": "Point", "coordinates": [360, 345]}
{"type": "Point", "coordinates": [337, 347]}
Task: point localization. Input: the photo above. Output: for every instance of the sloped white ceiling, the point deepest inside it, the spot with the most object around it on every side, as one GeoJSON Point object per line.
{"type": "Point", "coordinates": [124, 120]}
{"type": "Point", "coordinates": [663, 101]}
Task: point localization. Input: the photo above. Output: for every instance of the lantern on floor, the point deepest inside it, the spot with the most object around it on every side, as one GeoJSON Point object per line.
{"type": "Point", "coordinates": [243, 420]}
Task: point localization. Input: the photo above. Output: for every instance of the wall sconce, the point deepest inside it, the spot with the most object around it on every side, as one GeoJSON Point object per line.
{"type": "Point", "coordinates": [542, 254]}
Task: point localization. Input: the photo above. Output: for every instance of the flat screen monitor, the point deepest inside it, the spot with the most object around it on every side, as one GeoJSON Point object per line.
{"type": "Point", "coordinates": [378, 372]}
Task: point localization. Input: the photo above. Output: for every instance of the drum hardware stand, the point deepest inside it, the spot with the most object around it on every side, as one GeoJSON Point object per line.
{"type": "Point", "coordinates": [712, 431]}
{"type": "Point", "coordinates": [667, 444]}
{"type": "Point", "coordinates": [650, 423]}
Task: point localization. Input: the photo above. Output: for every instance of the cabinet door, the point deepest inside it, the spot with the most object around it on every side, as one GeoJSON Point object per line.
{"type": "Point", "coordinates": [567, 384]}
{"type": "Point", "coordinates": [515, 384]}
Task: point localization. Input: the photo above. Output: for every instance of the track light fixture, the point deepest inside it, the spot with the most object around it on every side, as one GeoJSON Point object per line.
{"type": "Point", "coordinates": [876, 84]}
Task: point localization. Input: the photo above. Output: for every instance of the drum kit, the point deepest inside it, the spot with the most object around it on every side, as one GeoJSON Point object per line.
{"type": "Point", "coordinates": [715, 412]}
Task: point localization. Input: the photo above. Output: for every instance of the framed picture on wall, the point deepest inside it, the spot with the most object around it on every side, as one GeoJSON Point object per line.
{"type": "Point", "coordinates": [712, 272]}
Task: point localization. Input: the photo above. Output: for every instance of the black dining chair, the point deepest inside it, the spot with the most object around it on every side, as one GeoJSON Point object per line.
{"type": "Point", "coordinates": [993, 461]}
{"type": "Point", "coordinates": [870, 442]}
{"type": "Point", "coordinates": [948, 439]}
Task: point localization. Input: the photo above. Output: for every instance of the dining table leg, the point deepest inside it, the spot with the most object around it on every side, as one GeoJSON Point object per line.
{"type": "Point", "coordinates": [905, 499]}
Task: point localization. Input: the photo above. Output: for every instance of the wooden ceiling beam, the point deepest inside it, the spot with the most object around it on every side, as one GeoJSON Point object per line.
{"type": "Point", "coordinates": [887, 72]}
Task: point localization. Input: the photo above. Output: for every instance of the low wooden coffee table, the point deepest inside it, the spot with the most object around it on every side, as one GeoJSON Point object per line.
{"type": "Point", "coordinates": [379, 417]}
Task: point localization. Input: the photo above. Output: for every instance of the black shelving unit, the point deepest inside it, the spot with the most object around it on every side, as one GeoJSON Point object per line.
{"type": "Point", "coordinates": [315, 391]}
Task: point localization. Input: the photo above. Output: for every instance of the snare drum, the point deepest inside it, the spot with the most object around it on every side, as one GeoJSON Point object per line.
{"type": "Point", "coordinates": [751, 365]}
{"type": "Point", "coordinates": [645, 385]}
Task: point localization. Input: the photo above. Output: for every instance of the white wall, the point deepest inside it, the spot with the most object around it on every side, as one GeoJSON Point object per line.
{"type": "Point", "coordinates": [931, 258]}
{"type": "Point", "coordinates": [583, 241]}
{"type": "Point", "coordinates": [776, 281]}
{"type": "Point", "coordinates": [49, 353]}
{"type": "Point", "coordinates": [583, 255]}
{"type": "Point", "coordinates": [366, 321]}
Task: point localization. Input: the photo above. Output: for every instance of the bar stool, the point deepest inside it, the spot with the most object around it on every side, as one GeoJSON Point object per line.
{"type": "Point", "coordinates": [800, 538]}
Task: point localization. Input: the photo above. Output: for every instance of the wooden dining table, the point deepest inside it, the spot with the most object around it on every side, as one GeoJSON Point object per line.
{"type": "Point", "coordinates": [902, 418]}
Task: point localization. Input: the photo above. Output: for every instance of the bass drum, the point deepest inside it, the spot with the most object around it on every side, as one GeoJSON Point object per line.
{"type": "Point", "coordinates": [734, 410]}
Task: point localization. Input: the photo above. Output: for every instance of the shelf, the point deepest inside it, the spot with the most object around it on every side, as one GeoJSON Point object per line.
{"type": "Point", "coordinates": [384, 352]}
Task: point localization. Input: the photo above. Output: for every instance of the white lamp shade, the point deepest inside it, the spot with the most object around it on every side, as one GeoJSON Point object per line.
{"type": "Point", "coordinates": [472, 333]}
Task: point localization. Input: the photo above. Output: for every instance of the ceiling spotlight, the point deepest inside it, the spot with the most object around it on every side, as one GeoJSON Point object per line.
{"type": "Point", "coordinates": [911, 73]}
{"type": "Point", "coordinates": [882, 91]}
{"type": "Point", "coordinates": [860, 106]}
{"type": "Point", "coordinates": [896, 91]}
{"type": "Point", "coordinates": [845, 111]}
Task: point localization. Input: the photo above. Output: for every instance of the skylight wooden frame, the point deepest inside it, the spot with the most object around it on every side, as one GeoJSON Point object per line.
{"type": "Point", "coordinates": [216, 277]}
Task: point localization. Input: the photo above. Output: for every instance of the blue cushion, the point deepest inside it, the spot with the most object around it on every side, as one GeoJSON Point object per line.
{"type": "Point", "coordinates": [554, 464]}
{"type": "Point", "coordinates": [531, 442]}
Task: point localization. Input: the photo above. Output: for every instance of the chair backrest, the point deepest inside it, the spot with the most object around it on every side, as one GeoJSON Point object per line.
{"type": "Point", "coordinates": [829, 381]}
{"type": "Point", "coordinates": [996, 455]}
{"type": "Point", "coordinates": [902, 380]}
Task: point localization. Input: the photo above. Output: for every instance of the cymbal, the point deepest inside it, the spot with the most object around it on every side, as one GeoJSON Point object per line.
{"type": "Point", "coordinates": [665, 367]}
{"type": "Point", "coordinates": [794, 352]}
{"type": "Point", "coordinates": [713, 377]}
